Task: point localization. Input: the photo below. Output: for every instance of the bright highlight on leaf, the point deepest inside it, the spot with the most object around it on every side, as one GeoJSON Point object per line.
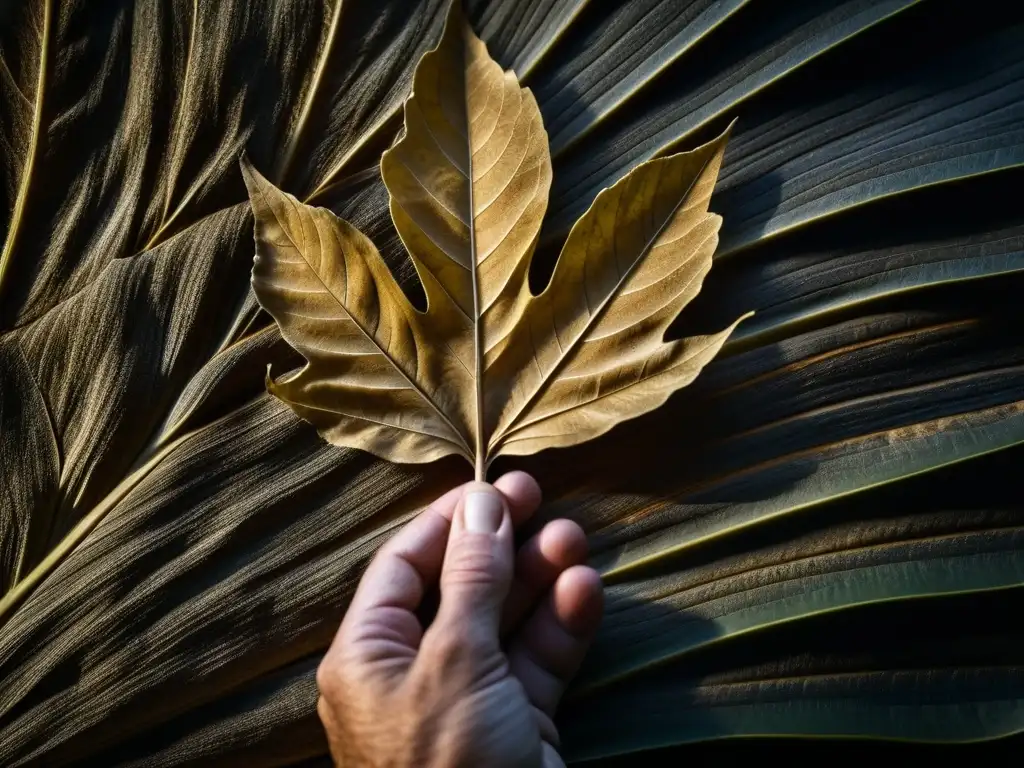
{"type": "Point", "coordinates": [488, 368]}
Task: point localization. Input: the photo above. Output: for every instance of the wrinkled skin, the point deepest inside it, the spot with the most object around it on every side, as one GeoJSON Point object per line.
{"type": "Point", "coordinates": [480, 684]}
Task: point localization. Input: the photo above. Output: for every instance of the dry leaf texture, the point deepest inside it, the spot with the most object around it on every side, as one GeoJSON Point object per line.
{"type": "Point", "coordinates": [488, 368]}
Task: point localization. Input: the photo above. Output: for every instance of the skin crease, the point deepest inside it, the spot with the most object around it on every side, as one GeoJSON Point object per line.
{"type": "Point", "coordinates": [480, 684]}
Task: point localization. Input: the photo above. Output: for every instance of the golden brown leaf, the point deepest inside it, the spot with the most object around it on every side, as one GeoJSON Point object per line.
{"type": "Point", "coordinates": [589, 351]}
{"type": "Point", "coordinates": [488, 368]}
{"type": "Point", "coordinates": [379, 373]}
{"type": "Point", "coordinates": [469, 178]}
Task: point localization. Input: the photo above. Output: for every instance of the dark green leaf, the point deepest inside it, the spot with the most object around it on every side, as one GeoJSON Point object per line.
{"type": "Point", "coordinates": [775, 45]}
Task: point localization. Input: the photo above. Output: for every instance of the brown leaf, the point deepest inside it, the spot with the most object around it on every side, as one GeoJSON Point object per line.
{"type": "Point", "coordinates": [589, 351]}
{"type": "Point", "coordinates": [469, 178]}
{"type": "Point", "coordinates": [376, 377]}
{"type": "Point", "coordinates": [488, 368]}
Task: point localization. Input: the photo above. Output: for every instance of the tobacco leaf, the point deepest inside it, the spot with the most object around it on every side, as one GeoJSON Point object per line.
{"type": "Point", "coordinates": [488, 368]}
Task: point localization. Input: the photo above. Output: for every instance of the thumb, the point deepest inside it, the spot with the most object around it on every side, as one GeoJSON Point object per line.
{"type": "Point", "coordinates": [478, 566]}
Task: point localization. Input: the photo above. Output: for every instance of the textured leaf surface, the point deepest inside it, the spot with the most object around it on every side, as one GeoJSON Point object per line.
{"type": "Point", "coordinates": [187, 545]}
{"type": "Point", "coordinates": [522, 34]}
{"type": "Point", "coordinates": [751, 596]}
{"type": "Point", "coordinates": [814, 286]}
{"type": "Point", "coordinates": [763, 589]}
{"type": "Point", "coordinates": [377, 369]}
{"type": "Point", "coordinates": [469, 180]}
{"type": "Point", "coordinates": [488, 368]}
{"type": "Point", "coordinates": [935, 705]}
{"type": "Point", "coordinates": [934, 126]}
{"type": "Point", "coordinates": [619, 54]}
{"type": "Point", "coordinates": [780, 44]}
{"type": "Point", "coordinates": [590, 351]}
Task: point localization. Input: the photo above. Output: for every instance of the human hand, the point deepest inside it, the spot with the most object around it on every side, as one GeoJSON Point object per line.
{"type": "Point", "coordinates": [479, 685]}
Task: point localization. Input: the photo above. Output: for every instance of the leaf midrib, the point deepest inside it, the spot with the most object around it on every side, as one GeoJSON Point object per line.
{"type": "Point", "coordinates": [375, 130]}
{"type": "Point", "coordinates": [566, 352]}
{"type": "Point", "coordinates": [612, 393]}
{"type": "Point", "coordinates": [369, 337]}
{"type": "Point", "coordinates": [28, 170]}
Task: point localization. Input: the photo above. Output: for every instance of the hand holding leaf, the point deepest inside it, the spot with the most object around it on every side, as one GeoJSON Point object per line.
{"type": "Point", "coordinates": [488, 368]}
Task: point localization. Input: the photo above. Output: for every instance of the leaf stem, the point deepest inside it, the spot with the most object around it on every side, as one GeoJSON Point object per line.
{"type": "Point", "coordinates": [480, 446]}
{"type": "Point", "coordinates": [28, 170]}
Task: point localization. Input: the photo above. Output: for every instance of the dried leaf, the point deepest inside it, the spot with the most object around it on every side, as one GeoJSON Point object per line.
{"type": "Point", "coordinates": [488, 368]}
{"type": "Point", "coordinates": [176, 544]}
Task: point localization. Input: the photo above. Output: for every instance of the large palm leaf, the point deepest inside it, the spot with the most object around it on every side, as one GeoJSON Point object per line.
{"type": "Point", "coordinates": [176, 547]}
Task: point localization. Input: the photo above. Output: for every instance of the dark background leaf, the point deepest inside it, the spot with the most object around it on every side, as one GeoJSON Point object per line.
{"type": "Point", "coordinates": [198, 543]}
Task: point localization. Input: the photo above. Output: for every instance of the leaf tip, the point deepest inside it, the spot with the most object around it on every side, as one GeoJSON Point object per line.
{"type": "Point", "coordinates": [254, 180]}
{"type": "Point", "coordinates": [718, 144]}
{"type": "Point", "coordinates": [728, 129]}
{"type": "Point", "coordinates": [455, 15]}
{"type": "Point", "coordinates": [740, 320]}
{"type": "Point", "coordinates": [455, 24]}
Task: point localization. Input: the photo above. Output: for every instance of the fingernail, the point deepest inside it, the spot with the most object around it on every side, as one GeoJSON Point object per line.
{"type": "Point", "coordinates": [483, 511]}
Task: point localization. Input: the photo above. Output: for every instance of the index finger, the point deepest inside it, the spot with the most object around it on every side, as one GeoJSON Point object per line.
{"type": "Point", "coordinates": [404, 568]}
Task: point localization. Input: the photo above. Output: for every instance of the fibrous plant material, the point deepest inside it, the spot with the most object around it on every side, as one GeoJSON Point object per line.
{"type": "Point", "coordinates": [783, 542]}
{"type": "Point", "coordinates": [488, 368]}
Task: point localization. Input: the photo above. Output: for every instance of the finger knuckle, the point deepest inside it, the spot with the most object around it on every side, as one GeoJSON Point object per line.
{"type": "Point", "coordinates": [464, 652]}
{"type": "Point", "coordinates": [448, 648]}
{"type": "Point", "coordinates": [323, 710]}
{"type": "Point", "coordinates": [473, 561]}
{"type": "Point", "coordinates": [339, 671]}
{"type": "Point", "coordinates": [327, 677]}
